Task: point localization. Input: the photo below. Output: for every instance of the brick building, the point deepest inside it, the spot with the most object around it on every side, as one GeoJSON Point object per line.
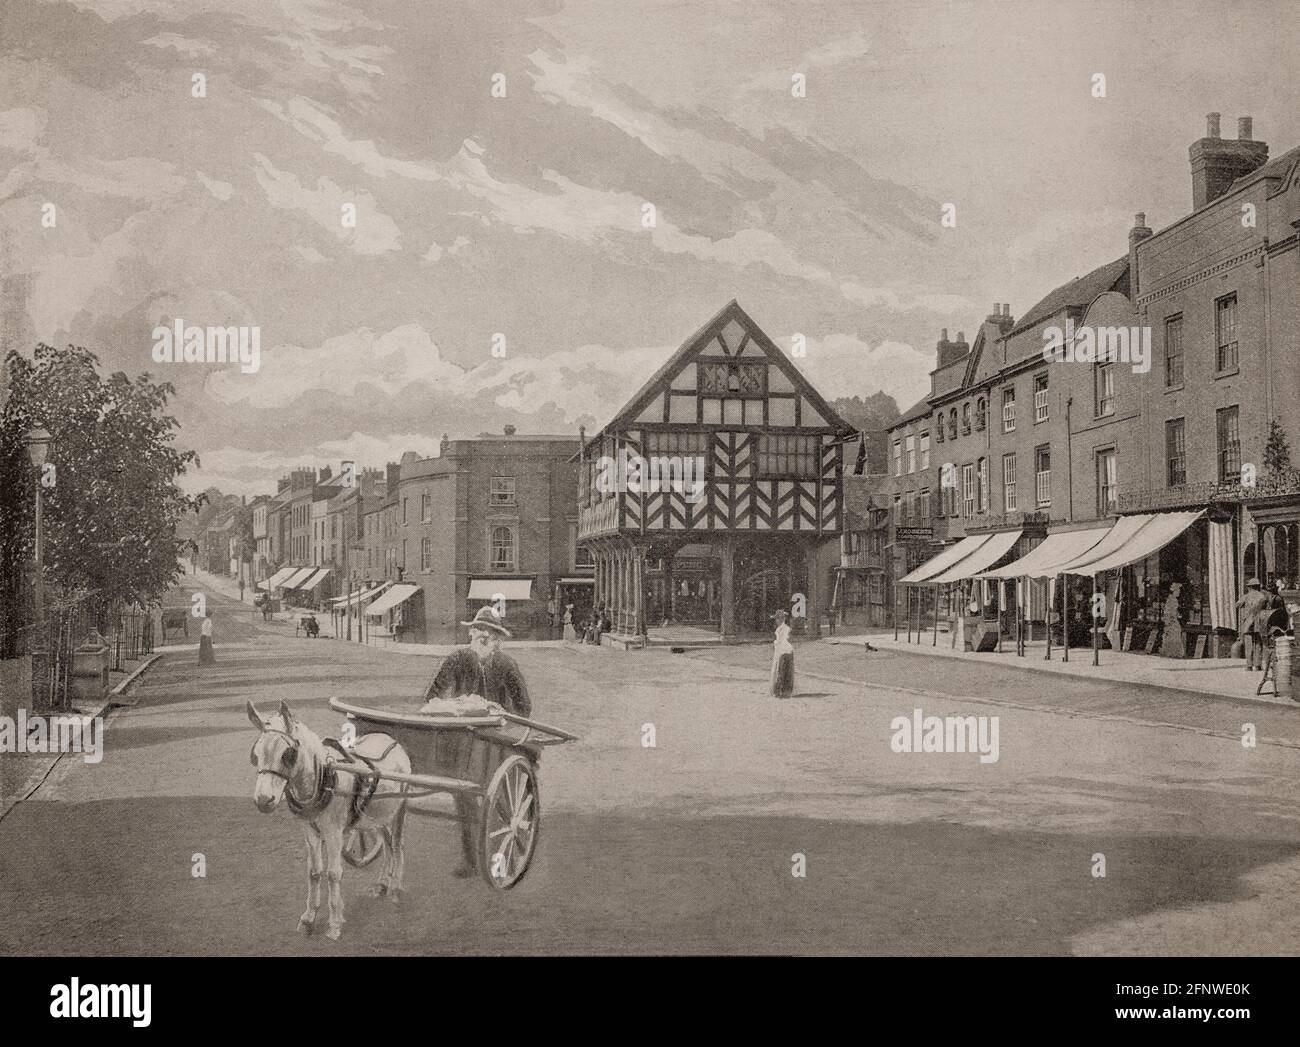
{"type": "Point", "coordinates": [490, 520]}
{"type": "Point", "coordinates": [1152, 453]}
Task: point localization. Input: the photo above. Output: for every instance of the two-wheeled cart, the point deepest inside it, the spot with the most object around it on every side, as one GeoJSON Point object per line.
{"type": "Point", "coordinates": [490, 759]}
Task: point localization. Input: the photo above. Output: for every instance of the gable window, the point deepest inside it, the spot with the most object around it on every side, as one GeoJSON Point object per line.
{"type": "Point", "coordinates": [1040, 397]}
{"type": "Point", "coordinates": [1175, 452]}
{"type": "Point", "coordinates": [925, 450]}
{"type": "Point", "coordinates": [503, 548]}
{"type": "Point", "coordinates": [1043, 476]}
{"type": "Point", "coordinates": [502, 491]}
{"type": "Point", "coordinates": [1225, 333]}
{"type": "Point", "coordinates": [1174, 351]}
{"type": "Point", "coordinates": [1229, 444]}
{"type": "Point", "coordinates": [1103, 380]}
{"type": "Point", "coordinates": [1107, 483]}
{"type": "Point", "coordinates": [1009, 483]}
{"type": "Point", "coordinates": [1009, 410]}
{"type": "Point", "coordinates": [732, 379]}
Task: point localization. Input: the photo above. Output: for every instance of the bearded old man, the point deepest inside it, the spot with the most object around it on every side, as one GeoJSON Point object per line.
{"type": "Point", "coordinates": [480, 668]}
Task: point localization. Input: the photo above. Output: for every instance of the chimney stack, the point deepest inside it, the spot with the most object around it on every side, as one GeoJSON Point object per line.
{"type": "Point", "coordinates": [510, 430]}
{"type": "Point", "coordinates": [1000, 317]}
{"type": "Point", "coordinates": [1136, 235]}
{"type": "Point", "coordinates": [1218, 162]}
{"type": "Point", "coordinates": [950, 352]}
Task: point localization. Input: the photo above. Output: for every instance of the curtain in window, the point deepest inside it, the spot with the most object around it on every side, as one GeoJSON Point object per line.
{"type": "Point", "coordinates": [1223, 577]}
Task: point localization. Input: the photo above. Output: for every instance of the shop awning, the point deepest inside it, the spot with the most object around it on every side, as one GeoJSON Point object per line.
{"type": "Point", "coordinates": [948, 558]}
{"type": "Point", "coordinates": [315, 580]}
{"type": "Point", "coordinates": [1120, 532]}
{"type": "Point", "coordinates": [299, 576]}
{"type": "Point", "coordinates": [981, 559]}
{"type": "Point", "coordinates": [277, 579]}
{"type": "Point", "coordinates": [1044, 559]}
{"type": "Point", "coordinates": [1158, 531]}
{"type": "Point", "coordinates": [360, 595]}
{"type": "Point", "coordinates": [506, 588]}
{"type": "Point", "coordinates": [397, 594]}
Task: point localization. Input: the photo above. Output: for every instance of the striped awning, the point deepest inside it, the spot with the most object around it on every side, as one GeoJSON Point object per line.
{"type": "Point", "coordinates": [1044, 559]}
{"type": "Point", "coordinates": [1156, 531]}
{"type": "Point", "coordinates": [948, 558]}
{"type": "Point", "coordinates": [985, 556]}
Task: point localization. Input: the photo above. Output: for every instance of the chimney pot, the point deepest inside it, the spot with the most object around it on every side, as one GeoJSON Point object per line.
{"type": "Point", "coordinates": [1212, 125]}
{"type": "Point", "coordinates": [1243, 128]}
{"type": "Point", "coordinates": [943, 335]}
{"type": "Point", "coordinates": [1140, 219]}
{"type": "Point", "coordinates": [510, 430]}
{"type": "Point", "coordinates": [961, 336]}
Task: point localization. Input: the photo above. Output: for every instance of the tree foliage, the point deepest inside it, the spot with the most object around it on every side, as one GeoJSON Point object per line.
{"type": "Point", "coordinates": [110, 517]}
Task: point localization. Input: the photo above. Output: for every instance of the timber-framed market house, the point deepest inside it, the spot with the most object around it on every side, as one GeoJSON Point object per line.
{"type": "Point", "coordinates": [754, 522]}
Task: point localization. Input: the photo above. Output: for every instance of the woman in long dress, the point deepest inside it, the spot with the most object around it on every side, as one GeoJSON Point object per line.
{"type": "Point", "coordinates": [569, 634]}
{"type": "Point", "coordinates": [782, 659]}
{"type": "Point", "coordinates": [206, 657]}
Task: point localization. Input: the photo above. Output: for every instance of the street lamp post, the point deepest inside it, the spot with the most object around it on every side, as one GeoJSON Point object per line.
{"type": "Point", "coordinates": [38, 449]}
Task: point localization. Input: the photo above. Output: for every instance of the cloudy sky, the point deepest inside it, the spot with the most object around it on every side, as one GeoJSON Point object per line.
{"type": "Point", "coordinates": [522, 215]}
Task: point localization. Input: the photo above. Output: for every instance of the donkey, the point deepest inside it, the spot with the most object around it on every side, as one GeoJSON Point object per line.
{"type": "Point", "coordinates": [294, 765]}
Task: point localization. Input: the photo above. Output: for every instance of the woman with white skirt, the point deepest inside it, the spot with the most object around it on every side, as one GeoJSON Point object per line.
{"type": "Point", "coordinates": [782, 659]}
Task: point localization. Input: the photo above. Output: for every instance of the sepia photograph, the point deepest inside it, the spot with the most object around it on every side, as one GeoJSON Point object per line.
{"type": "Point", "coordinates": [650, 478]}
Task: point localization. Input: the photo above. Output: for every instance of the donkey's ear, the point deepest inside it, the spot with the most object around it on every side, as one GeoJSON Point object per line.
{"type": "Point", "coordinates": [288, 716]}
{"type": "Point", "coordinates": [256, 718]}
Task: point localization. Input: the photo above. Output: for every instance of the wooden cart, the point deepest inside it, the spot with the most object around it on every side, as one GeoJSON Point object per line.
{"type": "Point", "coordinates": [492, 759]}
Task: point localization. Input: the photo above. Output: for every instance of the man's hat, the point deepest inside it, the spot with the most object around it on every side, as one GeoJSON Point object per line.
{"type": "Point", "coordinates": [1253, 584]}
{"type": "Point", "coordinates": [487, 618]}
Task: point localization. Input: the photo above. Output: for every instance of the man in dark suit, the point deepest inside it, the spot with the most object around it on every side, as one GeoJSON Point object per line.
{"type": "Point", "coordinates": [480, 668]}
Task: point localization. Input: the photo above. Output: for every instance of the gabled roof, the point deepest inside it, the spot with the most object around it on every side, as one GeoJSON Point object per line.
{"type": "Point", "coordinates": [697, 341]}
{"type": "Point", "coordinates": [1278, 167]}
{"type": "Point", "coordinates": [1079, 292]}
{"type": "Point", "coordinates": [918, 410]}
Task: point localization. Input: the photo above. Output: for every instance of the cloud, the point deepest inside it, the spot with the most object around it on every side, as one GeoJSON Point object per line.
{"type": "Point", "coordinates": [374, 233]}
{"type": "Point", "coordinates": [193, 48]}
{"type": "Point", "coordinates": [221, 190]}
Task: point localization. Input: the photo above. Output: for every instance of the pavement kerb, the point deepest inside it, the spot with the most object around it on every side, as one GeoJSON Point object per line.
{"type": "Point", "coordinates": [1263, 699]}
{"type": "Point", "coordinates": [1004, 704]}
{"type": "Point", "coordinates": [102, 711]}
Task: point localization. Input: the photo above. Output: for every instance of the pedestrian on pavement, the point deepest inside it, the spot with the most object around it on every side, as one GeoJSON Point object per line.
{"type": "Point", "coordinates": [569, 634]}
{"type": "Point", "coordinates": [1248, 607]}
{"type": "Point", "coordinates": [782, 659]}
{"type": "Point", "coordinates": [479, 668]}
{"type": "Point", "coordinates": [206, 657]}
{"type": "Point", "coordinates": [552, 615]}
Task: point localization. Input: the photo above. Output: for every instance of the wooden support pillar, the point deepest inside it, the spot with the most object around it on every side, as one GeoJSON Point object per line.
{"type": "Point", "coordinates": [728, 616]}
{"type": "Point", "coordinates": [670, 596]}
{"type": "Point", "coordinates": [814, 591]}
{"type": "Point", "coordinates": [895, 611]}
{"type": "Point", "coordinates": [1065, 619]}
{"type": "Point", "coordinates": [638, 591]}
{"type": "Point", "coordinates": [934, 642]}
{"type": "Point", "coordinates": [1092, 619]}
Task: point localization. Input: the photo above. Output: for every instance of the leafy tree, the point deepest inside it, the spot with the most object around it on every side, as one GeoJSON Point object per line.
{"type": "Point", "coordinates": [111, 516]}
{"type": "Point", "coordinates": [1277, 451]}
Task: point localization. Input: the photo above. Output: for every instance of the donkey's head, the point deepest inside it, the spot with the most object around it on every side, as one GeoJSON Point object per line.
{"type": "Point", "coordinates": [275, 754]}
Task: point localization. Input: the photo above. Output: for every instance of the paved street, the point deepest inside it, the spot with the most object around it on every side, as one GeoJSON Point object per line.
{"type": "Point", "coordinates": [687, 846]}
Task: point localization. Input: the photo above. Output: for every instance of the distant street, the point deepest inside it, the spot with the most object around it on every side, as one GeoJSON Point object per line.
{"type": "Point", "coordinates": [688, 846]}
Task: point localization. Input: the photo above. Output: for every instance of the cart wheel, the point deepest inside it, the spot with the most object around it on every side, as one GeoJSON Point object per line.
{"type": "Point", "coordinates": [362, 847]}
{"type": "Point", "coordinates": [509, 823]}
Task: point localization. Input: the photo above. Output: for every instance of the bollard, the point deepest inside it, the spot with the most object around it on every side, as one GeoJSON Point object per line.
{"type": "Point", "coordinates": [1282, 647]}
